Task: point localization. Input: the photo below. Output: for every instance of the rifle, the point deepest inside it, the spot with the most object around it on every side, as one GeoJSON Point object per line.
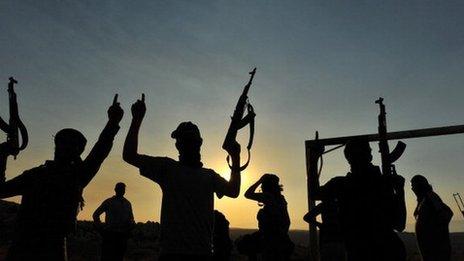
{"type": "Point", "coordinates": [13, 128]}
{"type": "Point", "coordinates": [460, 204]}
{"type": "Point", "coordinates": [387, 158]}
{"type": "Point", "coordinates": [238, 121]}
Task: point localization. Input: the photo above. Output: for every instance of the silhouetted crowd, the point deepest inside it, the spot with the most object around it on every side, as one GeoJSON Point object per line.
{"type": "Point", "coordinates": [361, 212]}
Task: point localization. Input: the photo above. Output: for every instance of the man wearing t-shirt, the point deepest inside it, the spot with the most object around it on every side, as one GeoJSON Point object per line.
{"type": "Point", "coordinates": [119, 222]}
{"type": "Point", "coordinates": [187, 209]}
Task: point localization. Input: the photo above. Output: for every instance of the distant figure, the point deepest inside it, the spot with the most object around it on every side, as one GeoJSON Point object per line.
{"type": "Point", "coordinates": [52, 193]}
{"type": "Point", "coordinates": [371, 207]}
{"type": "Point", "coordinates": [222, 245]}
{"type": "Point", "coordinates": [331, 245]}
{"type": "Point", "coordinates": [273, 219]}
{"type": "Point", "coordinates": [432, 220]}
{"type": "Point", "coordinates": [187, 208]}
{"type": "Point", "coordinates": [119, 222]}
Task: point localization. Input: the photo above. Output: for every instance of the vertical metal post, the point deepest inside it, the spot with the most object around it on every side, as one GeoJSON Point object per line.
{"type": "Point", "coordinates": [312, 183]}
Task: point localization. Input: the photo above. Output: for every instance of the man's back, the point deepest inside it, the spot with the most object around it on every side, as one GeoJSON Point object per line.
{"type": "Point", "coordinates": [433, 217]}
{"type": "Point", "coordinates": [366, 207]}
{"type": "Point", "coordinates": [187, 204]}
{"type": "Point", "coordinates": [50, 200]}
{"type": "Point", "coordinates": [118, 214]}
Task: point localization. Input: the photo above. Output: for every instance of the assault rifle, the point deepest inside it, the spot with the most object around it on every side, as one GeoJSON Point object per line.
{"type": "Point", "coordinates": [238, 121]}
{"type": "Point", "coordinates": [13, 128]}
{"type": "Point", "coordinates": [387, 157]}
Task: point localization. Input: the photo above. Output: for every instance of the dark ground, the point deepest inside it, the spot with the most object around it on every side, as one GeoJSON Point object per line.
{"type": "Point", "coordinates": [85, 243]}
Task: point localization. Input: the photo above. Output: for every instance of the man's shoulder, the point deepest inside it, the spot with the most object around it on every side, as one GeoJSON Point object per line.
{"type": "Point", "coordinates": [208, 171]}
{"type": "Point", "coordinates": [211, 173]}
{"type": "Point", "coordinates": [126, 201]}
{"type": "Point", "coordinates": [338, 180]}
{"type": "Point", "coordinates": [39, 169]}
{"type": "Point", "coordinates": [163, 159]}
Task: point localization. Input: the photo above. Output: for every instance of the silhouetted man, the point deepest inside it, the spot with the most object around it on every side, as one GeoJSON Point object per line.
{"type": "Point", "coordinates": [371, 206]}
{"type": "Point", "coordinates": [119, 221]}
{"type": "Point", "coordinates": [331, 245]}
{"type": "Point", "coordinates": [432, 220]}
{"type": "Point", "coordinates": [222, 244]}
{"type": "Point", "coordinates": [188, 189]}
{"type": "Point", "coordinates": [52, 193]}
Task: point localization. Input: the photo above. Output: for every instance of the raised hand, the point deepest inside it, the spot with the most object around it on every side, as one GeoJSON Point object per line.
{"type": "Point", "coordinates": [233, 149]}
{"type": "Point", "coordinates": [138, 108]}
{"type": "Point", "coordinates": [115, 112]}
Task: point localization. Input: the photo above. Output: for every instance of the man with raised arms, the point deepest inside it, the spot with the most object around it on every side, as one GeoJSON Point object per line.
{"type": "Point", "coordinates": [52, 193]}
{"type": "Point", "coordinates": [187, 208]}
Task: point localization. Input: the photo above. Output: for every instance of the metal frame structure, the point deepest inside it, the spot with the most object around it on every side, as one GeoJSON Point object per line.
{"type": "Point", "coordinates": [315, 149]}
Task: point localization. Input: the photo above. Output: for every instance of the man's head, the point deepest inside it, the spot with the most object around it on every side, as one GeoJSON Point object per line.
{"type": "Point", "coordinates": [420, 186]}
{"type": "Point", "coordinates": [188, 138]}
{"type": "Point", "coordinates": [69, 145]}
{"type": "Point", "coordinates": [120, 189]}
{"type": "Point", "coordinates": [358, 152]}
{"type": "Point", "coordinates": [270, 184]}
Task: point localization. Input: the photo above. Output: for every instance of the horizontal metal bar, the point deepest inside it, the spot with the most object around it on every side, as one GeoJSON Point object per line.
{"type": "Point", "coordinates": [397, 135]}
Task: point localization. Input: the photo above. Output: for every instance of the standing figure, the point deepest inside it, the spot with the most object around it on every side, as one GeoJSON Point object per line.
{"type": "Point", "coordinates": [187, 208]}
{"type": "Point", "coordinates": [119, 222]}
{"type": "Point", "coordinates": [52, 193]}
{"type": "Point", "coordinates": [222, 245]}
{"type": "Point", "coordinates": [273, 218]}
{"type": "Point", "coordinates": [371, 207]}
{"type": "Point", "coordinates": [432, 220]}
{"type": "Point", "coordinates": [331, 245]}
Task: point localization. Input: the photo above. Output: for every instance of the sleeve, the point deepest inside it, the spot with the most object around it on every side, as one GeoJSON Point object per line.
{"type": "Point", "coordinates": [17, 185]}
{"type": "Point", "coordinates": [99, 152]}
{"type": "Point", "coordinates": [155, 168]}
{"type": "Point", "coordinates": [219, 184]}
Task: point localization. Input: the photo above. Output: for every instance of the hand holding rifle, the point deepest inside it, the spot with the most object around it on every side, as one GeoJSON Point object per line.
{"type": "Point", "coordinates": [238, 122]}
{"type": "Point", "coordinates": [13, 128]}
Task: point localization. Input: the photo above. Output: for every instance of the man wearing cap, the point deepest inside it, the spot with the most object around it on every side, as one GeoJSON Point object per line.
{"type": "Point", "coordinates": [371, 207]}
{"type": "Point", "coordinates": [187, 208]}
{"type": "Point", "coordinates": [432, 220]}
{"type": "Point", "coordinates": [119, 222]}
{"type": "Point", "coordinates": [52, 193]}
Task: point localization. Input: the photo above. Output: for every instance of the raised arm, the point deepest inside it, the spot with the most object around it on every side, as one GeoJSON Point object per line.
{"type": "Point", "coordinates": [251, 191]}
{"type": "Point", "coordinates": [130, 154]}
{"type": "Point", "coordinates": [311, 216]}
{"type": "Point", "coordinates": [232, 188]}
{"type": "Point", "coordinates": [102, 148]}
{"type": "Point", "coordinates": [3, 159]}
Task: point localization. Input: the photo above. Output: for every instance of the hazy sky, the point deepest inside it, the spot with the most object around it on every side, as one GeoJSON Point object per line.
{"type": "Point", "coordinates": [321, 65]}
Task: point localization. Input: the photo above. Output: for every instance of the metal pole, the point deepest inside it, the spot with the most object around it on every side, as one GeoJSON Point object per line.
{"type": "Point", "coordinates": [397, 135]}
{"type": "Point", "coordinates": [312, 182]}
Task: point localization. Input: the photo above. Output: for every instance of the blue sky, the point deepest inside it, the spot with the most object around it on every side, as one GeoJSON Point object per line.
{"type": "Point", "coordinates": [321, 65]}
